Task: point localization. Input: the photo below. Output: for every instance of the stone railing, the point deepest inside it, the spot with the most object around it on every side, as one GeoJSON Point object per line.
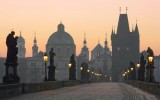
{"type": "Point", "coordinates": [10, 90]}
{"type": "Point", "coordinates": [149, 87]}
{"type": "Point", "coordinates": [18, 89]}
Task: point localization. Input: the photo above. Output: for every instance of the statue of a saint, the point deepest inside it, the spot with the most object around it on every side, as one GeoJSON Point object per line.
{"type": "Point", "coordinates": [10, 45]}
{"type": "Point", "coordinates": [51, 54]}
{"type": "Point", "coordinates": [150, 52]}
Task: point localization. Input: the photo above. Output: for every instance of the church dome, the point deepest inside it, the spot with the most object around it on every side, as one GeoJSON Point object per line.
{"type": "Point", "coordinates": [60, 37]}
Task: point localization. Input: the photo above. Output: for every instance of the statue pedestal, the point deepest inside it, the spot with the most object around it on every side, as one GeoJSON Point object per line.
{"type": "Point", "coordinates": [11, 76]}
{"type": "Point", "coordinates": [51, 73]}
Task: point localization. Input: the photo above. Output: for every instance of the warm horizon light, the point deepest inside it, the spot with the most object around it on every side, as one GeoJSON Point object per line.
{"type": "Point", "coordinates": [93, 17]}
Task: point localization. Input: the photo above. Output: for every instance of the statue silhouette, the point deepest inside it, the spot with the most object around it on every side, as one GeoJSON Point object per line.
{"type": "Point", "coordinates": [51, 54]}
{"type": "Point", "coordinates": [12, 49]}
{"type": "Point", "coordinates": [150, 52]}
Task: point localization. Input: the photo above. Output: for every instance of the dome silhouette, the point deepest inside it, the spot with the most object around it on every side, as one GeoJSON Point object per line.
{"type": "Point", "coordinates": [60, 37]}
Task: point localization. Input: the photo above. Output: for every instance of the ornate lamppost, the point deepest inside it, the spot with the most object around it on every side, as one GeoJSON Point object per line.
{"type": "Point", "coordinates": [138, 71]}
{"type": "Point", "coordinates": [142, 68]}
{"type": "Point", "coordinates": [132, 75]}
{"type": "Point", "coordinates": [150, 65]}
{"type": "Point", "coordinates": [45, 58]}
{"type": "Point", "coordinates": [72, 68]}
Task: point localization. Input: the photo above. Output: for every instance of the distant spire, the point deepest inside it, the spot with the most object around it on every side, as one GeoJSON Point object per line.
{"type": "Point", "coordinates": [105, 42]}
{"type": "Point", "coordinates": [120, 10]}
{"type": "Point", "coordinates": [136, 28]}
{"type": "Point", "coordinates": [136, 20]}
{"type": "Point", "coordinates": [60, 21]}
{"type": "Point", "coordinates": [20, 34]}
{"type": "Point", "coordinates": [85, 42]}
{"type": "Point", "coordinates": [126, 10]}
{"type": "Point", "coordinates": [98, 41]}
{"type": "Point", "coordinates": [106, 37]}
{"type": "Point", "coordinates": [84, 36]}
{"type": "Point", "coordinates": [112, 30]}
{"type": "Point", "coordinates": [35, 40]}
{"type": "Point", "coordinates": [132, 28]}
{"type": "Point", "coordinates": [106, 45]}
{"type": "Point", "coordinates": [34, 47]}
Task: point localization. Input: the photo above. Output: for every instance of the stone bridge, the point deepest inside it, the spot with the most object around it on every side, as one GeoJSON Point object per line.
{"type": "Point", "coordinates": [76, 90]}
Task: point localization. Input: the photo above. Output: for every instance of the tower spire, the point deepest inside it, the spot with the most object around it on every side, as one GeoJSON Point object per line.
{"type": "Point", "coordinates": [106, 45]}
{"type": "Point", "coordinates": [34, 47]}
{"type": "Point", "coordinates": [85, 42]}
{"type": "Point", "coordinates": [132, 28]}
{"type": "Point", "coordinates": [120, 10]}
{"type": "Point", "coordinates": [112, 30]}
{"type": "Point", "coordinates": [106, 37]}
{"type": "Point", "coordinates": [35, 40]}
{"type": "Point", "coordinates": [20, 34]}
{"type": "Point", "coordinates": [136, 28]}
{"type": "Point", "coordinates": [126, 10]}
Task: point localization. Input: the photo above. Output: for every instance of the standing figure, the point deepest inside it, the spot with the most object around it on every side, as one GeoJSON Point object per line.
{"type": "Point", "coordinates": [10, 46]}
{"type": "Point", "coordinates": [51, 54]}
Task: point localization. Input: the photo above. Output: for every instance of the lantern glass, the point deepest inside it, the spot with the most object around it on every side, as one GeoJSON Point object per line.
{"type": "Point", "coordinates": [45, 57]}
{"type": "Point", "coordinates": [150, 59]}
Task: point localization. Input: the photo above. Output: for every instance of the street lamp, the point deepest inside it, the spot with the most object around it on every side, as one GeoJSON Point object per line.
{"type": "Point", "coordinates": [69, 65]}
{"type": "Point", "coordinates": [81, 68]}
{"type": "Point", "coordinates": [45, 58]}
{"type": "Point", "coordinates": [88, 70]}
{"type": "Point", "coordinates": [138, 65]}
{"type": "Point", "coordinates": [138, 71]}
{"type": "Point", "coordinates": [131, 69]}
{"type": "Point", "coordinates": [150, 59]}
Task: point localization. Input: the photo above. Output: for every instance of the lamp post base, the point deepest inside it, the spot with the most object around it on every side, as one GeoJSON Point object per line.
{"type": "Point", "coordinates": [51, 73]}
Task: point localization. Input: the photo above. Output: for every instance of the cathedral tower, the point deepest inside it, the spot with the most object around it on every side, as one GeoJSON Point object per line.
{"type": "Point", "coordinates": [21, 47]}
{"type": "Point", "coordinates": [85, 52]}
{"type": "Point", "coordinates": [125, 47]}
{"type": "Point", "coordinates": [34, 47]}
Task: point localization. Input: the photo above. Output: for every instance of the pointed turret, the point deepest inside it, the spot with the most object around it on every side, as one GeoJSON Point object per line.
{"type": "Point", "coordinates": [84, 42]}
{"type": "Point", "coordinates": [106, 44]}
{"type": "Point", "coordinates": [123, 25]}
{"type": "Point", "coordinates": [85, 51]}
{"type": "Point", "coordinates": [112, 31]}
{"type": "Point", "coordinates": [34, 47]}
{"type": "Point", "coordinates": [136, 29]}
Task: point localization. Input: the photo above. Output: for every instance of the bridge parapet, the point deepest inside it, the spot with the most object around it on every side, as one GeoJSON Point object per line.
{"type": "Point", "coordinates": [18, 89]}
{"type": "Point", "coordinates": [153, 88]}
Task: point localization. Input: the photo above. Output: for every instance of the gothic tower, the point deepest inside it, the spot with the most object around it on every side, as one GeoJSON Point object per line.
{"type": "Point", "coordinates": [85, 51]}
{"type": "Point", "coordinates": [21, 47]}
{"type": "Point", "coordinates": [34, 47]}
{"type": "Point", "coordinates": [125, 47]}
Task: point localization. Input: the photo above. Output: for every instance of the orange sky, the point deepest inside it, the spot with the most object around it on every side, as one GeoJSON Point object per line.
{"type": "Point", "coordinates": [95, 17]}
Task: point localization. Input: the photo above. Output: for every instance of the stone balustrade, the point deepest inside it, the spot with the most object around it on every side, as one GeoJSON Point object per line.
{"type": "Point", "coordinates": [153, 88]}
{"type": "Point", "coordinates": [18, 89]}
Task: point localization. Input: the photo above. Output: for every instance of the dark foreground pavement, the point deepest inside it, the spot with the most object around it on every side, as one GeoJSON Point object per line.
{"type": "Point", "coordinates": [94, 91]}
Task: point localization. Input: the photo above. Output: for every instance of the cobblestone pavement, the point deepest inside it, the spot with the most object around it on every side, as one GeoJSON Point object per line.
{"type": "Point", "coordinates": [94, 91]}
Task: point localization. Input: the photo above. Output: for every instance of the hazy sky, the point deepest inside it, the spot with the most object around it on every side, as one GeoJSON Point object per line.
{"type": "Point", "coordinates": [95, 17]}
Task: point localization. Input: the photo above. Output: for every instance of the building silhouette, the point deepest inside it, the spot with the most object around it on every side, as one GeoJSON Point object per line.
{"type": "Point", "coordinates": [64, 46]}
{"type": "Point", "coordinates": [125, 46]}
